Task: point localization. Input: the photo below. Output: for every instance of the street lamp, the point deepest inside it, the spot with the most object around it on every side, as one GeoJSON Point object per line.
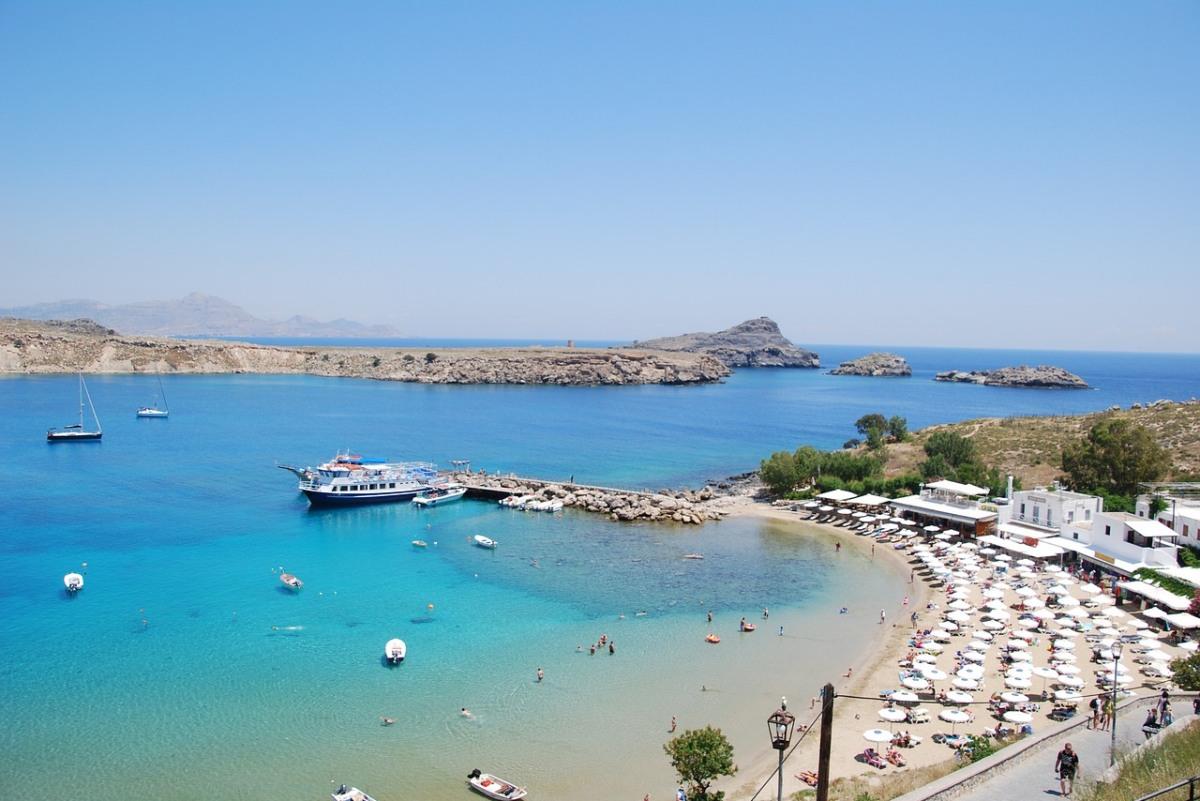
{"type": "Point", "coordinates": [1116, 650]}
{"type": "Point", "coordinates": [779, 727]}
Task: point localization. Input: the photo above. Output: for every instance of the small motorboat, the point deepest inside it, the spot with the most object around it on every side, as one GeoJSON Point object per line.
{"type": "Point", "coordinates": [420, 544]}
{"type": "Point", "coordinates": [291, 582]}
{"type": "Point", "coordinates": [440, 494]}
{"type": "Point", "coordinates": [345, 793]}
{"type": "Point", "coordinates": [712, 639]}
{"type": "Point", "coordinates": [73, 582]}
{"type": "Point", "coordinates": [693, 556]}
{"type": "Point", "coordinates": [495, 787]}
{"type": "Point", "coordinates": [485, 542]}
{"type": "Point", "coordinates": [395, 651]}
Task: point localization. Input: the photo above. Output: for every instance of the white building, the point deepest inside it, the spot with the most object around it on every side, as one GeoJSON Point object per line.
{"type": "Point", "coordinates": [951, 505]}
{"type": "Point", "coordinates": [1182, 516]}
{"type": "Point", "coordinates": [1119, 542]}
{"type": "Point", "coordinates": [1050, 509]}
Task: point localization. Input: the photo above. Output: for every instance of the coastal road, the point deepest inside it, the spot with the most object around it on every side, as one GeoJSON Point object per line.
{"type": "Point", "coordinates": [1034, 778]}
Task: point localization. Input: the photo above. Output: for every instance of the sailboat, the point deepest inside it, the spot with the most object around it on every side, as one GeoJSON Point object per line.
{"type": "Point", "coordinates": [77, 433]}
{"type": "Point", "coordinates": [154, 411]}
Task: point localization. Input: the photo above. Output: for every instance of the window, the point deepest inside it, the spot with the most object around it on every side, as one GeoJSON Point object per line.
{"type": "Point", "coordinates": [1108, 531]}
{"type": "Point", "coordinates": [1087, 514]}
{"type": "Point", "coordinates": [1070, 517]}
{"type": "Point", "coordinates": [1141, 513]}
{"type": "Point", "coordinates": [1037, 512]}
{"type": "Point", "coordinates": [1075, 535]}
{"type": "Point", "coordinates": [1129, 536]}
{"type": "Point", "coordinates": [1022, 510]}
{"type": "Point", "coordinates": [374, 486]}
{"type": "Point", "coordinates": [1048, 517]}
{"type": "Point", "coordinates": [392, 485]}
{"type": "Point", "coordinates": [1185, 531]}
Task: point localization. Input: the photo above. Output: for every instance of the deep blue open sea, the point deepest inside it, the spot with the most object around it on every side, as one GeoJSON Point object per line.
{"type": "Point", "coordinates": [183, 671]}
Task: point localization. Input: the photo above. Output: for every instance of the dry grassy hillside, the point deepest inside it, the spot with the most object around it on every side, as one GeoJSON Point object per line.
{"type": "Point", "coordinates": [1031, 447]}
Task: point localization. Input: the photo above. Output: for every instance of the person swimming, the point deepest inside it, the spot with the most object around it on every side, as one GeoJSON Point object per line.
{"type": "Point", "coordinates": [387, 721]}
{"type": "Point", "coordinates": [466, 713]}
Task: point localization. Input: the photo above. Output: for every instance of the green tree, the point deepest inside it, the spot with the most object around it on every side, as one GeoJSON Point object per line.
{"type": "Point", "coordinates": [808, 463]}
{"type": "Point", "coordinates": [875, 440]}
{"type": "Point", "coordinates": [1187, 673]}
{"type": "Point", "coordinates": [778, 472]}
{"type": "Point", "coordinates": [700, 757]}
{"type": "Point", "coordinates": [954, 448]}
{"type": "Point", "coordinates": [897, 428]}
{"type": "Point", "coordinates": [1116, 456]}
{"type": "Point", "coordinates": [1157, 504]}
{"type": "Point", "coordinates": [871, 422]}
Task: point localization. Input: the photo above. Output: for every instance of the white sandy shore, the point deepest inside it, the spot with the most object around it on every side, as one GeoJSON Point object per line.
{"type": "Point", "coordinates": [878, 672]}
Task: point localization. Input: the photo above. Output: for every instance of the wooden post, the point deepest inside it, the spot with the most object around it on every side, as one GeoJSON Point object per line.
{"type": "Point", "coordinates": [826, 743]}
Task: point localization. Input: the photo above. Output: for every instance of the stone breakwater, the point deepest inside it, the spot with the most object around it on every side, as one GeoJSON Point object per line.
{"type": "Point", "coordinates": [82, 346]}
{"type": "Point", "coordinates": [680, 506]}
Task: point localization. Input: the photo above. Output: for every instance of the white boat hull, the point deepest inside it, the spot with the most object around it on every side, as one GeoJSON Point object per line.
{"type": "Point", "coordinates": [73, 582]}
{"type": "Point", "coordinates": [395, 651]}
{"type": "Point", "coordinates": [152, 413]}
{"type": "Point", "coordinates": [440, 499]}
{"type": "Point", "coordinates": [495, 787]}
{"type": "Point", "coordinates": [484, 542]}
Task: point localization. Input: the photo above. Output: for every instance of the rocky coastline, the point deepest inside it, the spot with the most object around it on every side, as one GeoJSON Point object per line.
{"type": "Point", "coordinates": [691, 507]}
{"type": "Point", "coordinates": [754, 343]}
{"type": "Point", "coordinates": [82, 346]}
{"type": "Point", "coordinates": [875, 364]}
{"type": "Point", "coordinates": [1043, 376]}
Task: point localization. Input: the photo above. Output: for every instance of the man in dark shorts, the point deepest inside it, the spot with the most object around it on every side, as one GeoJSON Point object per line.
{"type": "Point", "coordinates": [1067, 766]}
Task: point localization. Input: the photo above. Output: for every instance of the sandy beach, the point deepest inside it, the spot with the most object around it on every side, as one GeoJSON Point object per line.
{"type": "Point", "coordinates": [1006, 612]}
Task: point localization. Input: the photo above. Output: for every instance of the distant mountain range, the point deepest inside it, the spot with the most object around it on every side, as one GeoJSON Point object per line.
{"type": "Point", "coordinates": [196, 315]}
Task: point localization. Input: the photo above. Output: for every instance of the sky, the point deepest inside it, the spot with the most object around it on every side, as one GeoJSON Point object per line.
{"type": "Point", "coordinates": [1021, 174]}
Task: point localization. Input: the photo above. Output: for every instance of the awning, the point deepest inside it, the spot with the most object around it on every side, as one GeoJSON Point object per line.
{"type": "Point", "coordinates": [1039, 551]}
{"type": "Point", "coordinates": [1018, 530]}
{"type": "Point", "coordinates": [1182, 620]}
{"type": "Point", "coordinates": [1098, 558]}
{"type": "Point", "coordinates": [837, 495]}
{"type": "Point", "coordinates": [956, 488]}
{"type": "Point", "coordinates": [1156, 594]}
{"type": "Point", "coordinates": [945, 511]}
{"type": "Point", "coordinates": [1150, 529]}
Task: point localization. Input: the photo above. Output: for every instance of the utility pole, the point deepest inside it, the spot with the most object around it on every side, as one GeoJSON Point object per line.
{"type": "Point", "coordinates": [826, 742]}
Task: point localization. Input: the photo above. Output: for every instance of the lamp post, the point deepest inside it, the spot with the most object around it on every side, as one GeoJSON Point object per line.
{"type": "Point", "coordinates": [779, 726]}
{"type": "Point", "coordinates": [1116, 650]}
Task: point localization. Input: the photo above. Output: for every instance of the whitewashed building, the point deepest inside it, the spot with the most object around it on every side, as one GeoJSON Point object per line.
{"type": "Point", "coordinates": [1182, 516]}
{"type": "Point", "coordinates": [1119, 542]}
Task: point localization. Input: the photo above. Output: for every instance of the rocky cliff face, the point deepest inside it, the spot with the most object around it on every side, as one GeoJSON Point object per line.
{"type": "Point", "coordinates": [754, 343]}
{"type": "Point", "coordinates": [1042, 376]}
{"type": "Point", "coordinates": [874, 364]}
{"type": "Point", "coordinates": [39, 347]}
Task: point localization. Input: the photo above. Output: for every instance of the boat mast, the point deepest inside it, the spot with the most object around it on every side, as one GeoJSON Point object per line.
{"type": "Point", "coordinates": [96, 417]}
{"type": "Point", "coordinates": [81, 401]}
{"type": "Point", "coordinates": [163, 392]}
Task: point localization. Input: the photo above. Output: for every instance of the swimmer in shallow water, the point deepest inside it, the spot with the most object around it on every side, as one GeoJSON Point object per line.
{"type": "Point", "coordinates": [387, 721]}
{"type": "Point", "coordinates": [466, 713]}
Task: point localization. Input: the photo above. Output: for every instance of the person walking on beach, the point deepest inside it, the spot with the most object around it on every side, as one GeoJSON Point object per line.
{"type": "Point", "coordinates": [913, 618]}
{"type": "Point", "coordinates": [540, 675]}
{"type": "Point", "coordinates": [1067, 767]}
{"type": "Point", "coordinates": [674, 724]}
{"type": "Point", "coordinates": [1094, 705]}
{"type": "Point", "coordinates": [882, 617]}
{"type": "Point", "coordinates": [837, 547]}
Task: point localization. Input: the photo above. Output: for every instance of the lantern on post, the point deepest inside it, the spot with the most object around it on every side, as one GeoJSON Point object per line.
{"type": "Point", "coordinates": [779, 726]}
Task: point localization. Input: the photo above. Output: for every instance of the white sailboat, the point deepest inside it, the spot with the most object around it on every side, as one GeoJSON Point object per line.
{"type": "Point", "coordinates": [154, 411]}
{"type": "Point", "coordinates": [76, 432]}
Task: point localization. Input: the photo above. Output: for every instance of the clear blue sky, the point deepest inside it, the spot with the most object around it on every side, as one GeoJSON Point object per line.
{"type": "Point", "coordinates": [992, 174]}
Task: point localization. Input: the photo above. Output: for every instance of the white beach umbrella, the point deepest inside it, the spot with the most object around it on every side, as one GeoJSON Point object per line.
{"type": "Point", "coordinates": [1042, 614]}
{"type": "Point", "coordinates": [1068, 601]}
{"type": "Point", "coordinates": [1020, 656]}
{"type": "Point", "coordinates": [993, 625]}
{"type": "Point", "coordinates": [958, 616]}
{"type": "Point", "coordinates": [1190, 646]}
{"type": "Point", "coordinates": [1025, 562]}
{"type": "Point", "coordinates": [1026, 592]}
{"type": "Point", "coordinates": [939, 635]}
{"type": "Point", "coordinates": [904, 697]}
{"type": "Point", "coordinates": [1113, 611]}
{"type": "Point", "coordinates": [825, 509]}
{"type": "Point", "coordinates": [1057, 589]}
{"type": "Point", "coordinates": [999, 614]}
{"type": "Point", "coordinates": [1032, 603]}
{"type": "Point", "coordinates": [1028, 623]}
{"type": "Point", "coordinates": [1045, 672]}
{"type": "Point", "coordinates": [1053, 569]}
{"type": "Point", "coordinates": [924, 658]}
{"type": "Point", "coordinates": [960, 605]}
{"type": "Point", "coordinates": [1002, 558]}
{"type": "Point", "coordinates": [933, 674]}
{"type": "Point", "coordinates": [1076, 613]}
{"type": "Point", "coordinates": [1070, 681]}
{"type": "Point", "coordinates": [963, 683]}
{"type": "Point", "coordinates": [958, 697]}
{"type": "Point", "coordinates": [970, 672]}
{"type": "Point", "coordinates": [1015, 716]}
{"type": "Point", "coordinates": [1022, 669]}
{"type": "Point", "coordinates": [877, 736]}
{"type": "Point", "coordinates": [1089, 588]}
{"type": "Point", "coordinates": [1012, 697]}
{"type": "Point", "coordinates": [915, 683]}
{"type": "Point", "coordinates": [1064, 645]}
{"type": "Point", "coordinates": [1066, 695]}
{"type": "Point", "coordinates": [843, 511]}
{"type": "Point", "coordinates": [960, 594]}
{"type": "Point", "coordinates": [954, 717]}
{"type": "Point", "coordinates": [994, 604]}
{"type": "Point", "coordinates": [948, 625]}
{"type": "Point", "coordinates": [979, 645]}
{"type": "Point", "coordinates": [1138, 623]}
{"type": "Point", "coordinates": [1023, 636]}
{"type": "Point", "coordinates": [1017, 682]}
{"type": "Point", "coordinates": [892, 715]}
{"type": "Point", "coordinates": [1108, 631]}
{"type": "Point", "coordinates": [993, 593]}
{"type": "Point", "coordinates": [1157, 656]}
{"type": "Point", "coordinates": [932, 647]}
{"type": "Point", "coordinates": [1067, 670]}
{"type": "Point", "coordinates": [986, 636]}
{"type": "Point", "coordinates": [1062, 656]}
{"type": "Point", "coordinates": [973, 656]}
{"type": "Point", "coordinates": [931, 529]}
{"type": "Point", "coordinates": [987, 551]}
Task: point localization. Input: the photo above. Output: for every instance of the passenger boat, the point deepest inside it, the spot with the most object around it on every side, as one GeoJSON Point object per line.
{"type": "Point", "coordinates": [495, 787]}
{"type": "Point", "coordinates": [154, 411]}
{"type": "Point", "coordinates": [395, 651]}
{"type": "Point", "coordinates": [345, 793]}
{"type": "Point", "coordinates": [485, 542]}
{"type": "Point", "coordinates": [349, 479]}
{"type": "Point", "coordinates": [73, 582]}
{"type": "Point", "coordinates": [440, 494]}
{"type": "Point", "coordinates": [76, 432]}
{"type": "Point", "coordinates": [291, 582]}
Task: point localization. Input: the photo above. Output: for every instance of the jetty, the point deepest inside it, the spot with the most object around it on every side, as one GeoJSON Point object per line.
{"type": "Point", "coordinates": [680, 506]}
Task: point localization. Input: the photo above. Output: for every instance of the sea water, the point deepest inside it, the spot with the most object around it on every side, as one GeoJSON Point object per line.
{"type": "Point", "coordinates": [185, 670]}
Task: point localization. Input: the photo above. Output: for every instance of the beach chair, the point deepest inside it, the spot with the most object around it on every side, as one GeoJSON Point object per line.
{"type": "Point", "coordinates": [872, 758]}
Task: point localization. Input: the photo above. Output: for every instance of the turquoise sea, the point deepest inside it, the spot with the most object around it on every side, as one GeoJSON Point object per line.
{"type": "Point", "coordinates": [184, 671]}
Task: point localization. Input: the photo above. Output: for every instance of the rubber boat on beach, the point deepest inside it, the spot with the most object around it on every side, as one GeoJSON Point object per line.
{"type": "Point", "coordinates": [485, 542]}
{"type": "Point", "coordinates": [395, 651]}
{"type": "Point", "coordinates": [440, 494]}
{"type": "Point", "coordinates": [345, 793]}
{"type": "Point", "coordinates": [291, 582]}
{"type": "Point", "coordinates": [73, 582]}
{"type": "Point", "coordinates": [495, 787]}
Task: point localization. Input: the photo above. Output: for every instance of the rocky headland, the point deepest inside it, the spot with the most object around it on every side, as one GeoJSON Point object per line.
{"type": "Point", "coordinates": [874, 364]}
{"type": "Point", "coordinates": [83, 346]}
{"type": "Point", "coordinates": [1043, 376]}
{"type": "Point", "coordinates": [754, 343]}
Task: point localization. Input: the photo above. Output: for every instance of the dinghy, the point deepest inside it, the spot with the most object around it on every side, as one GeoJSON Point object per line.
{"type": "Point", "coordinates": [485, 542]}
{"type": "Point", "coordinates": [73, 582]}
{"type": "Point", "coordinates": [395, 651]}
{"type": "Point", "coordinates": [495, 787]}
